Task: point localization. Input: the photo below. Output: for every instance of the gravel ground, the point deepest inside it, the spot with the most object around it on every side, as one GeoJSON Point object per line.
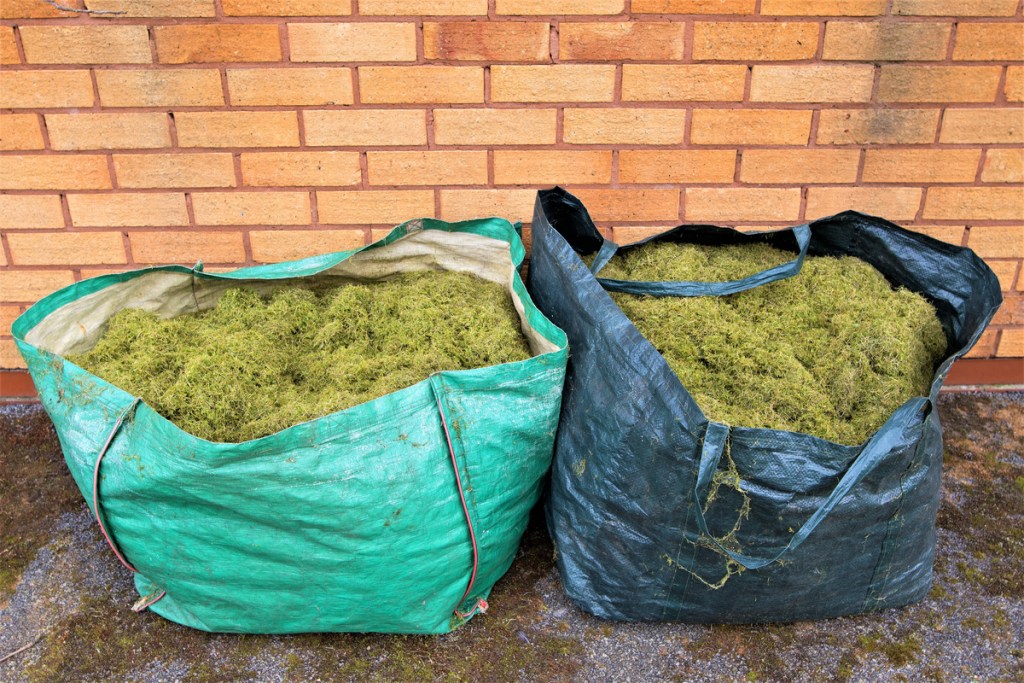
{"type": "Point", "coordinates": [59, 583]}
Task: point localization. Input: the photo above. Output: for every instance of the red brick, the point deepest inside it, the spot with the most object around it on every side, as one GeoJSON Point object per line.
{"type": "Point", "coordinates": [874, 41]}
{"type": "Point", "coordinates": [159, 88]}
{"type": "Point", "coordinates": [985, 346]}
{"type": "Point", "coordinates": [983, 126]}
{"type": "Point", "coordinates": [427, 168]}
{"type": "Point", "coordinates": [1011, 312]}
{"type": "Point", "coordinates": [997, 241]}
{"type": "Point", "coordinates": [955, 8]}
{"type": "Point", "coordinates": [421, 84]}
{"type": "Point", "coordinates": [989, 42]}
{"type": "Point", "coordinates": [799, 166]}
{"type": "Point", "coordinates": [237, 129]}
{"type": "Point", "coordinates": [1014, 88]}
{"type": "Point", "coordinates": [8, 314]}
{"type": "Point", "coordinates": [750, 127]}
{"type": "Point", "coordinates": [251, 208]}
{"type": "Point", "coordinates": [529, 7]}
{"type": "Point", "coordinates": [33, 211]}
{"type": "Point", "coordinates": [30, 285]}
{"type": "Point", "coordinates": [951, 234]}
{"type": "Point", "coordinates": [286, 8]}
{"type": "Point", "coordinates": [187, 246]}
{"type": "Point", "coordinates": [921, 165]}
{"type": "Point", "coordinates": [65, 248]}
{"type": "Point", "coordinates": [128, 209]}
{"type": "Point", "coordinates": [553, 83]}
{"type": "Point", "coordinates": [424, 7]}
{"type": "Point", "coordinates": [693, 6]}
{"type": "Point", "coordinates": [1003, 166]}
{"type": "Point", "coordinates": [512, 205]}
{"type": "Point", "coordinates": [812, 83]}
{"type": "Point", "coordinates": [494, 126]}
{"type": "Point", "coordinates": [96, 271]}
{"type": "Point", "coordinates": [624, 126]}
{"type": "Point", "coordinates": [111, 44]}
{"type": "Point", "coordinates": [362, 207]}
{"type": "Point", "coordinates": [9, 355]}
{"type": "Point", "coordinates": [684, 82]}
{"type": "Point", "coordinates": [196, 43]}
{"type": "Point", "coordinates": [1005, 270]}
{"type": "Point", "coordinates": [299, 169]}
{"type": "Point", "coordinates": [975, 203]}
{"type": "Point", "coordinates": [823, 8]}
{"type": "Point", "coordinates": [8, 46]}
{"type": "Point", "coordinates": [30, 9]}
{"type": "Point", "coordinates": [758, 41]}
{"type": "Point", "coordinates": [877, 126]}
{"type": "Point", "coordinates": [634, 233]}
{"type": "Point", "coordinates": [279, 86]}
{"type": "Point", "coordinates": [633, 41]}
{"type": "Point", "coordinates": [154, 8]}
{"type": "Point", "coordinates": [677, 166]}
{"type": "Point", "coordinates": [108, 131]}
{"type": "Point", "coordinates": [631, 204]}
{"type": "Point", "coordinates": [943, 84]}
{"type": "Point", "coordinates": [269, 246]}
{"type": "Point", "coordinates": [54, 172]}
{"type": "Point", "coordinates": [365, 127]}
{"type": "Point", "coordinates": [892, 203]}
{"type": "Point", "coordinates": [1011, 343]}
{"type": "Point", "coordinates": [742, 204]}
{"type": "Point", "coordinates": [507, 41]}
{"type": "Point", "coordinates": [40, 89]}
{"type": "Point", "coordinates": [551, 167]}
{"type": "Point", "coordinates": [354, 42]}
{"type": "Point", "coordinates": [177, 170]}
{"type": "Point", "coordinates": [20, 132]}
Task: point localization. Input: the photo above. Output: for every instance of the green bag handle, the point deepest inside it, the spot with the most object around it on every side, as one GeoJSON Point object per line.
{"type": "Point", "coordinates": [874, 451]}
{"type": "Point", "coordinates": [692, 288]}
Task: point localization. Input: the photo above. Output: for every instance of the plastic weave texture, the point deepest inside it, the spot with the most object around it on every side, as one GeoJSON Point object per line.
{"type": "Point", "coordinates": [831, 529]}
{"type": "Point", "coordinates": [350, 522]}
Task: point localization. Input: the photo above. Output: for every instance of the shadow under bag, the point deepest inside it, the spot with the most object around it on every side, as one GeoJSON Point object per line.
{"type": "Point", "coordinates": [830, 530]}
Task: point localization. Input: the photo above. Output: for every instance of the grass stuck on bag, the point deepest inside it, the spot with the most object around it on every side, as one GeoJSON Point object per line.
{"type": "Point", "coordinates": [254, 364]}
{"type": "Point", "coordinates": [832, 351]}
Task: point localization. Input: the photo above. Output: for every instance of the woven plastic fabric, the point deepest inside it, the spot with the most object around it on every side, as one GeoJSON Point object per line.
{"type": "Point", "coordinates": [350, 522]}
{"type": "Point", "coordinates": [643, 527]}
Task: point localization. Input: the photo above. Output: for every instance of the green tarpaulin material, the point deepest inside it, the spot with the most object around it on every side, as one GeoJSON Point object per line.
{"type": "Point", "coordinates": [658, 513]}
{"type": "Point", "coordinates": [396, 515]}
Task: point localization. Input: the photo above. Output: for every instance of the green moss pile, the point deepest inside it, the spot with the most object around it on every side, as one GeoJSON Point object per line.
{"type": "Point", "coordinates": [253, 365]}
{"type": "Point", "coordinates": [831, 352]}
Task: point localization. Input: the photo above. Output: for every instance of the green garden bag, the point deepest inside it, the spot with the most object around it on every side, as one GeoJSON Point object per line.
{"type": "Point", "coordinates": [395, 515]}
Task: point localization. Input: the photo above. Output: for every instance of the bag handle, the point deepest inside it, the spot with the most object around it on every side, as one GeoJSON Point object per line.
{"type": "Point", "coordinates": [694, 288]}
{"type": "Point", "coordinates": [874, 451]}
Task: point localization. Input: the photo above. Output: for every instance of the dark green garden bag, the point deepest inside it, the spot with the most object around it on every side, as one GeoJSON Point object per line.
{"type": "Point", "coordinates": [395, 515]}
{"type": "Point", "coordinates": [831, 529]}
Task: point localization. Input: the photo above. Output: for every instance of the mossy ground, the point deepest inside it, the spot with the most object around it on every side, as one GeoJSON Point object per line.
{"type": "Point", "coordinates": [968, 628]}
{"type": "Point", "coordinates": [831, 352]}
{"type": "Point", "coordinates": [253, 365]}
{"type": "Point", "coordinates": [35, 489]}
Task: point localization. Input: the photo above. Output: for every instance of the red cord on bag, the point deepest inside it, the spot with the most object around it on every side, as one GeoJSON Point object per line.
{"type": "Point", "coordinates": [142, 604]}
{"type": "Point", "coordinates": [481, 605]}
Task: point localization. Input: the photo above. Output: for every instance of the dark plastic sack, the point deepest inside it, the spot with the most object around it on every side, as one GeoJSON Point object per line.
{"type": "Point", "coordinates": [831, 530]}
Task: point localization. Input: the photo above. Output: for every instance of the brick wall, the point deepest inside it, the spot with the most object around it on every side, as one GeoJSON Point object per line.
{"type": "Point", "coordinates": [247, 131]}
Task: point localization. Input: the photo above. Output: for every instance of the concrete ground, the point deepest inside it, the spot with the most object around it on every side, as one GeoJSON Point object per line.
{"type": "Point", "coordinates": [65, 597]}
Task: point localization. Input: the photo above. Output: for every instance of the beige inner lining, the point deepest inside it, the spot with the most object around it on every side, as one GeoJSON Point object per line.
{"type": "Point", "coordinates": [78, 325]}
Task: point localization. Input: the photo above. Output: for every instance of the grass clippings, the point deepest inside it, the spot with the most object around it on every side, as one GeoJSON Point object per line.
{"type": "Point", "coordinates": [254, 365]}
{"type": "Point", "coordinates": [831, 352]}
